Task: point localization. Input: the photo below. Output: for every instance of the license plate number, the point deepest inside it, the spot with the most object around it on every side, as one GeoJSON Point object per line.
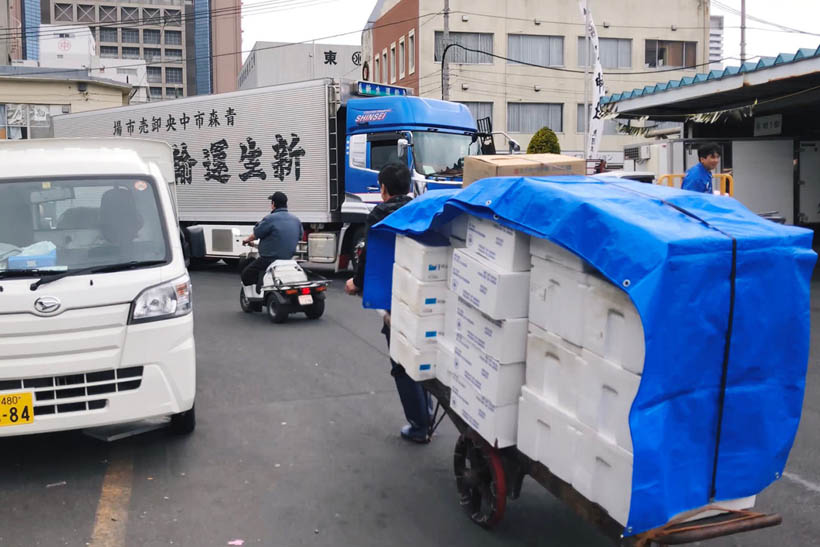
{"type": "Point", "coordinates": [305, 300]}
{"type": "Point", "coordinates": [16, 409]}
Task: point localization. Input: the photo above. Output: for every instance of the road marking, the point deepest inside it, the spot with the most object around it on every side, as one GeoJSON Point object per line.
{"type": "Point", "coordinates": [112, 509]}
{"type": "Point", "coordinates": [808, 485]}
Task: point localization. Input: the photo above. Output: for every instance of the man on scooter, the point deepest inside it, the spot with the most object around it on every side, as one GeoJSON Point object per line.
{"type": "Point", "coordinates": [278, 235]}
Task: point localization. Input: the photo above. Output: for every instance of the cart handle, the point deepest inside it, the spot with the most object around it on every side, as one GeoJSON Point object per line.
{"type": "Point", "coordinates": [678, 531]}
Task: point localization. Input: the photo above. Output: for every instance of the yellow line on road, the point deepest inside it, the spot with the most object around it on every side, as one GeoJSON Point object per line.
{"type": "Point", "coordinates": [112, 509]}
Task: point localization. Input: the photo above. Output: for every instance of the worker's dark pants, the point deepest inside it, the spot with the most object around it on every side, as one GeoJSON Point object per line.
{"type": "Point", "coordinates": [414, 399]}
{"type": "Point", "coordinates": [253, 272]}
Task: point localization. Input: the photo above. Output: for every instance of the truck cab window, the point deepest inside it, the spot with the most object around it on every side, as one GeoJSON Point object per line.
{"type": "Point", "coordinates": [383, 152]}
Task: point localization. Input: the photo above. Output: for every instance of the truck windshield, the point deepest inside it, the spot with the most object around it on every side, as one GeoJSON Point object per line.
{"type": "Point", "coordinates": [443, 153]}
{"type": "Point", "coordinates": [72, 224]}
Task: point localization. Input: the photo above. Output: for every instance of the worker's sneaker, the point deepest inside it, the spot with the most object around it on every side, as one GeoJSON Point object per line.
{"type": "Point", "coordinates": [416, 435]}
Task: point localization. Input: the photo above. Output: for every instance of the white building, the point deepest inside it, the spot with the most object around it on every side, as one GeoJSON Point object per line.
{"type": "Point", "coordinates": [641, 41]}
{"type": "Point", "coordinates": [74, 47]}
{"type": "Point", "coordinates": [716, 42]}
{"type": "Point", "coordinates": [273, 63]}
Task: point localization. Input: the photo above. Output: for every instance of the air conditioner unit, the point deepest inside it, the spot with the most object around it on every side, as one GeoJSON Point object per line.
{"type": "Point", "coordinates": [645, 152]}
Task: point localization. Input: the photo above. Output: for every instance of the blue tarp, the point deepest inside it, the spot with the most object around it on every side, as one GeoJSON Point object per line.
{"type": "Point", "coordinates": [676, 269]}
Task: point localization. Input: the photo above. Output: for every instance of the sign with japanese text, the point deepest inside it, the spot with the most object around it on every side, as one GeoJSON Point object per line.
{"type": "Point", "coordinates": [595, 119]}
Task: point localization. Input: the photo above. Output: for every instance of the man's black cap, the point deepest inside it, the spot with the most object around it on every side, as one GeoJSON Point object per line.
{"type": "Point", "coordinates": [280, 199]}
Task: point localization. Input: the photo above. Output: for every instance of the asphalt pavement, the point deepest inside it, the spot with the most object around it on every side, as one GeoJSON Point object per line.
{"type": "Point", "coordinates": [297, 444]}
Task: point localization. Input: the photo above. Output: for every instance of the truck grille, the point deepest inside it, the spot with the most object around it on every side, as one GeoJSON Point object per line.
{"type": "Point", "coordinates": [75, 392]}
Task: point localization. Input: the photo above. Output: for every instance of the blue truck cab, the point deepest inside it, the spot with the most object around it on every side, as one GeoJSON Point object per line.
{"type": "Point", "coordinates": [431, 136]}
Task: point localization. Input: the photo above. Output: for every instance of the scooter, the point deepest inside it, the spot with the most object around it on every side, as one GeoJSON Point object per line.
{"type": "Point", "coordinates": [286, 289]}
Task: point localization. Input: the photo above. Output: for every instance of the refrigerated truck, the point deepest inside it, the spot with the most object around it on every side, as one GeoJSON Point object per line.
{"type": "Point", "coordinates": [322, 142]}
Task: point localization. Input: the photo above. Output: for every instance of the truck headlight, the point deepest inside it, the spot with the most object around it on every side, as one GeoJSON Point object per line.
{"type": "Point", "coordinates": [172, 299]}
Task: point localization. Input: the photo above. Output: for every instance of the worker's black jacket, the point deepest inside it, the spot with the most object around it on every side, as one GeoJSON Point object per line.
{"type": "Point", "coordinates": [378, 214]}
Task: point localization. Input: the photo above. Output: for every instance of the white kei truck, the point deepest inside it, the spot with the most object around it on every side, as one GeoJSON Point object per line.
{"type": "Point", "coordinates": [96, 323]}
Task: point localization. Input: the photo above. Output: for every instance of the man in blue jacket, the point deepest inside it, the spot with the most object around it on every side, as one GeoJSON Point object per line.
{"type": "Point", "coordinates": [699, 177]}
{"type": "Point", "coordinates": [278, 234]}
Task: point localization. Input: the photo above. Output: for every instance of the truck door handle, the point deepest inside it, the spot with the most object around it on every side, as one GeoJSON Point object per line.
{"type": "Point", "coordinates": [373, 188]}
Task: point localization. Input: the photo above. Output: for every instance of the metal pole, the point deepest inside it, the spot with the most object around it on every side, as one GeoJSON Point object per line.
{"type": "Point", "coordinates": [586, 82]}
{"type": "Point", "coordinates": [742, 31]}
{"type": "Point", "coordinates": [445, 66]}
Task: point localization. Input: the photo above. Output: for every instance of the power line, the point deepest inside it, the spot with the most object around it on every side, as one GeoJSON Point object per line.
{"type": "Point", "coordinates": [784, 28]}
{"type": "Point", "coordinates": [176, 62]}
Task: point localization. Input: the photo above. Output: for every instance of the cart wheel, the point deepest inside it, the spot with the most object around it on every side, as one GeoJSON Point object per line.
{"type": "Point", "coordinates": [276, 312]}
{"type": "Point", "coordinates": [246, 305]}
{"type": "Point", "coordinates": [480, 480]}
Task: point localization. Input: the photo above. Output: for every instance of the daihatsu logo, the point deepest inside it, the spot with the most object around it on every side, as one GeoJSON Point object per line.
{"type": "Point", "coordinates": [47, 304]}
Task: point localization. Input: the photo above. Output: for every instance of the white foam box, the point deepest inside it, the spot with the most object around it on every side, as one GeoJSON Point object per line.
{"type": "Point", "coordinates": [456, 228]}
{"type": "Point", "coordinates": [613, 328]}
{"type": "Point", "coordinates": [499, 294]}
{"type": "Point", "coordinates": [422, 297]}
{"type": "Point", "coordinates": [425, 262]}
{"type": "Point", "coordinates": [505, 340]}
{"type": "Point", "coordinates": [503, 247]}
{"type": "Point", "coordinates": [450, 318]}
{"type": "Point", "coordinates": [420, 364]}
{"type": "Point", "coordinates": [499, 383]}
{"type": "Point", "coordinates": [445, 357]}
{"type": "Point", "coordinates": [420, 330]}
{"type": "Point", "coordinates": [548, 435]}
{"type": "Point", "coordinates": [558, 299]}
{"type": "Point", "coordinates": [603, 474]}
{"type": "Point", "coordinates": [555, 369]}
{"type": "Point", "coordinates": [547, 250]}
{"type": "Point", "coordinates": [496, 424]}
{"type": "Point", "coordinates": [605, 396]}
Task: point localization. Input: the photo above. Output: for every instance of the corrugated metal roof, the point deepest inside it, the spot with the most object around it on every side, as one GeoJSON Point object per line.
{"type": "Point", "coordinates": [745, 68]}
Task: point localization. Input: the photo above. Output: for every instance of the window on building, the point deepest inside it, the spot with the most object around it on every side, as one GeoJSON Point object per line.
{"type": "Point", "coordinates": [530, 117]}
{"type": "Point", "coordinates": [156, 92]}
{"type": "Point", "coordinates": [154, 74]}
{"type": "Point", "coordinates": [173, 54]}
{"type": "Point", "coordinates": [130, 15]}
{"type": "Point", "coordinates": [173, 37]}
{"type": "Point", "coordinates": [482, 42]}
{"type": "Point", "coordinates": [402, 57]}
{"type": "Point", "coordinates": [109, 52]}
{"type": "Point", "coordinates": [86, 14]}
{"type": "Point", "coordinates": [670, 54]}
{"type": "Point", "coordinates": [27, 121]}
{"type": "Point", "coordinates": [538, 50]}
{"type": "Point", "coordinates": [130, 53]}
{"type": "Point", "coordinates": [127, 71]}
{"type": "Point", "coordinates": [130, 36]}
{"type": "Point", "coordinates": [377, 70]}
{"type": "Point", "coordinates": [151, 36]}
{"type": "Point", "coordinates": [108, 14]}
{"type": "Point", "coordinates": [173, 75]}
{"type": "Point", "coordinates": [173, 92]}
{"type": "Point", "coordinates": [480, 110]}
{"type": "Point", "coordinates": [152, 54]}
{"type": "Point", "coordinates": [393, 63]}
{"type": "Point", "coordinates": [615, 52]}
{"type": "Point", "coordinates": [108, 34]}
{"type": "Point", "coordinates": [411, 52]}
{"type": "Point", "coordinates": [610, 126]}
{"type": "Point", "coordinates": [173, 17]}
{"type": "Point", "coordinates": [150, 16]}
{"type": "Point", "coordinates": [385, 67]}
{"type": "Point", "coordinates": [63, 12]}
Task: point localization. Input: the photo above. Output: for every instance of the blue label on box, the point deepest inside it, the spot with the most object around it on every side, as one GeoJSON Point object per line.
{"type": "Point", "coordinates": [430, 334]}
{"type": "Point", "coordinates": [432, 267]}
{"type": "Point", "coordinates": [430, 301]}
{"type": "Point", "coordinates": [425, 367]}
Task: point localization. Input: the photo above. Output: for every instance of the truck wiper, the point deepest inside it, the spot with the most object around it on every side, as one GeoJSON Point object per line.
{"type": "Point", "coordinates": [30, 272]}
{"type": "Point", "coordinates": [106, 268]}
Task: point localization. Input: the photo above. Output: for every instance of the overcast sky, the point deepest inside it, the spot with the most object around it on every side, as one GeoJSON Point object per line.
{"type": "Point", "coordinates": [300, 20]}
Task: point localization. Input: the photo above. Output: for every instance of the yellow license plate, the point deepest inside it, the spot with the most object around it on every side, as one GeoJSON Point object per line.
{"type": "Point", "coordinates": [16, 409]}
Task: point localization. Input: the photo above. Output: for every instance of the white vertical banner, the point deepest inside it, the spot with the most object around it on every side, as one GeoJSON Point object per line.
{"type": "Point", "coordinates": [595, 121]}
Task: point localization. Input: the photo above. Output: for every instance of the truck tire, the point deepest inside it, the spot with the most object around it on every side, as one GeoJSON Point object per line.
{"type": "Point", "coordinates": [184, 423]}
{"type": "Point", "coordinates": [316, 309]}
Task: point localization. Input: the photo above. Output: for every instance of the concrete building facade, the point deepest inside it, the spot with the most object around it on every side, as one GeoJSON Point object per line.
{"type": "Point", "coordinates": [273, 63]}
{"type": "Point", "coordinates": [30, 96]}
{"type": "Point", "coordinates": [640, 44]}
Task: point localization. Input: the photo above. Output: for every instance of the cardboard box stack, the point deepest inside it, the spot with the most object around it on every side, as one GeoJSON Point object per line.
{"type": "Point", "coordinates": [585, 352]}
{"type": "Point", "coordinates": [490, 278]}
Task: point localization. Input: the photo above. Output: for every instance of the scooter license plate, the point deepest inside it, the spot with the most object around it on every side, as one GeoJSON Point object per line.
{"type": "Point", "coordinates": [305, 300]}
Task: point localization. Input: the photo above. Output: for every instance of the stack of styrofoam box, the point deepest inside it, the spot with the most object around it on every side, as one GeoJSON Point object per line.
{"type": "Point", "coordinates": [418, 303]}
{"type": "Point", "coordinates": [585, 354]}
{"type": "Point", "coordinates": [490, 277]}
{"type": "Point", "coordinates": [456, 231]}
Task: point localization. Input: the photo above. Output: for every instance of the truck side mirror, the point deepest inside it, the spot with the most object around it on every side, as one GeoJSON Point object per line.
{"type": "Point", "coordinates": [402, 147]}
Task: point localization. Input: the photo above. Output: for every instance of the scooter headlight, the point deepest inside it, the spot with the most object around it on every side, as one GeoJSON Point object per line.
{"type": "Point", "coordinates": [172, 299]}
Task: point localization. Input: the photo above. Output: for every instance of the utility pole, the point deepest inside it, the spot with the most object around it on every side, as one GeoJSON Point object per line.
{"type": "Point", "coordinates": [587, 88]}
{"type": "Point", "coordinates": [445, 65]}
{"type": "Point", "coordinates": [742, 31]}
